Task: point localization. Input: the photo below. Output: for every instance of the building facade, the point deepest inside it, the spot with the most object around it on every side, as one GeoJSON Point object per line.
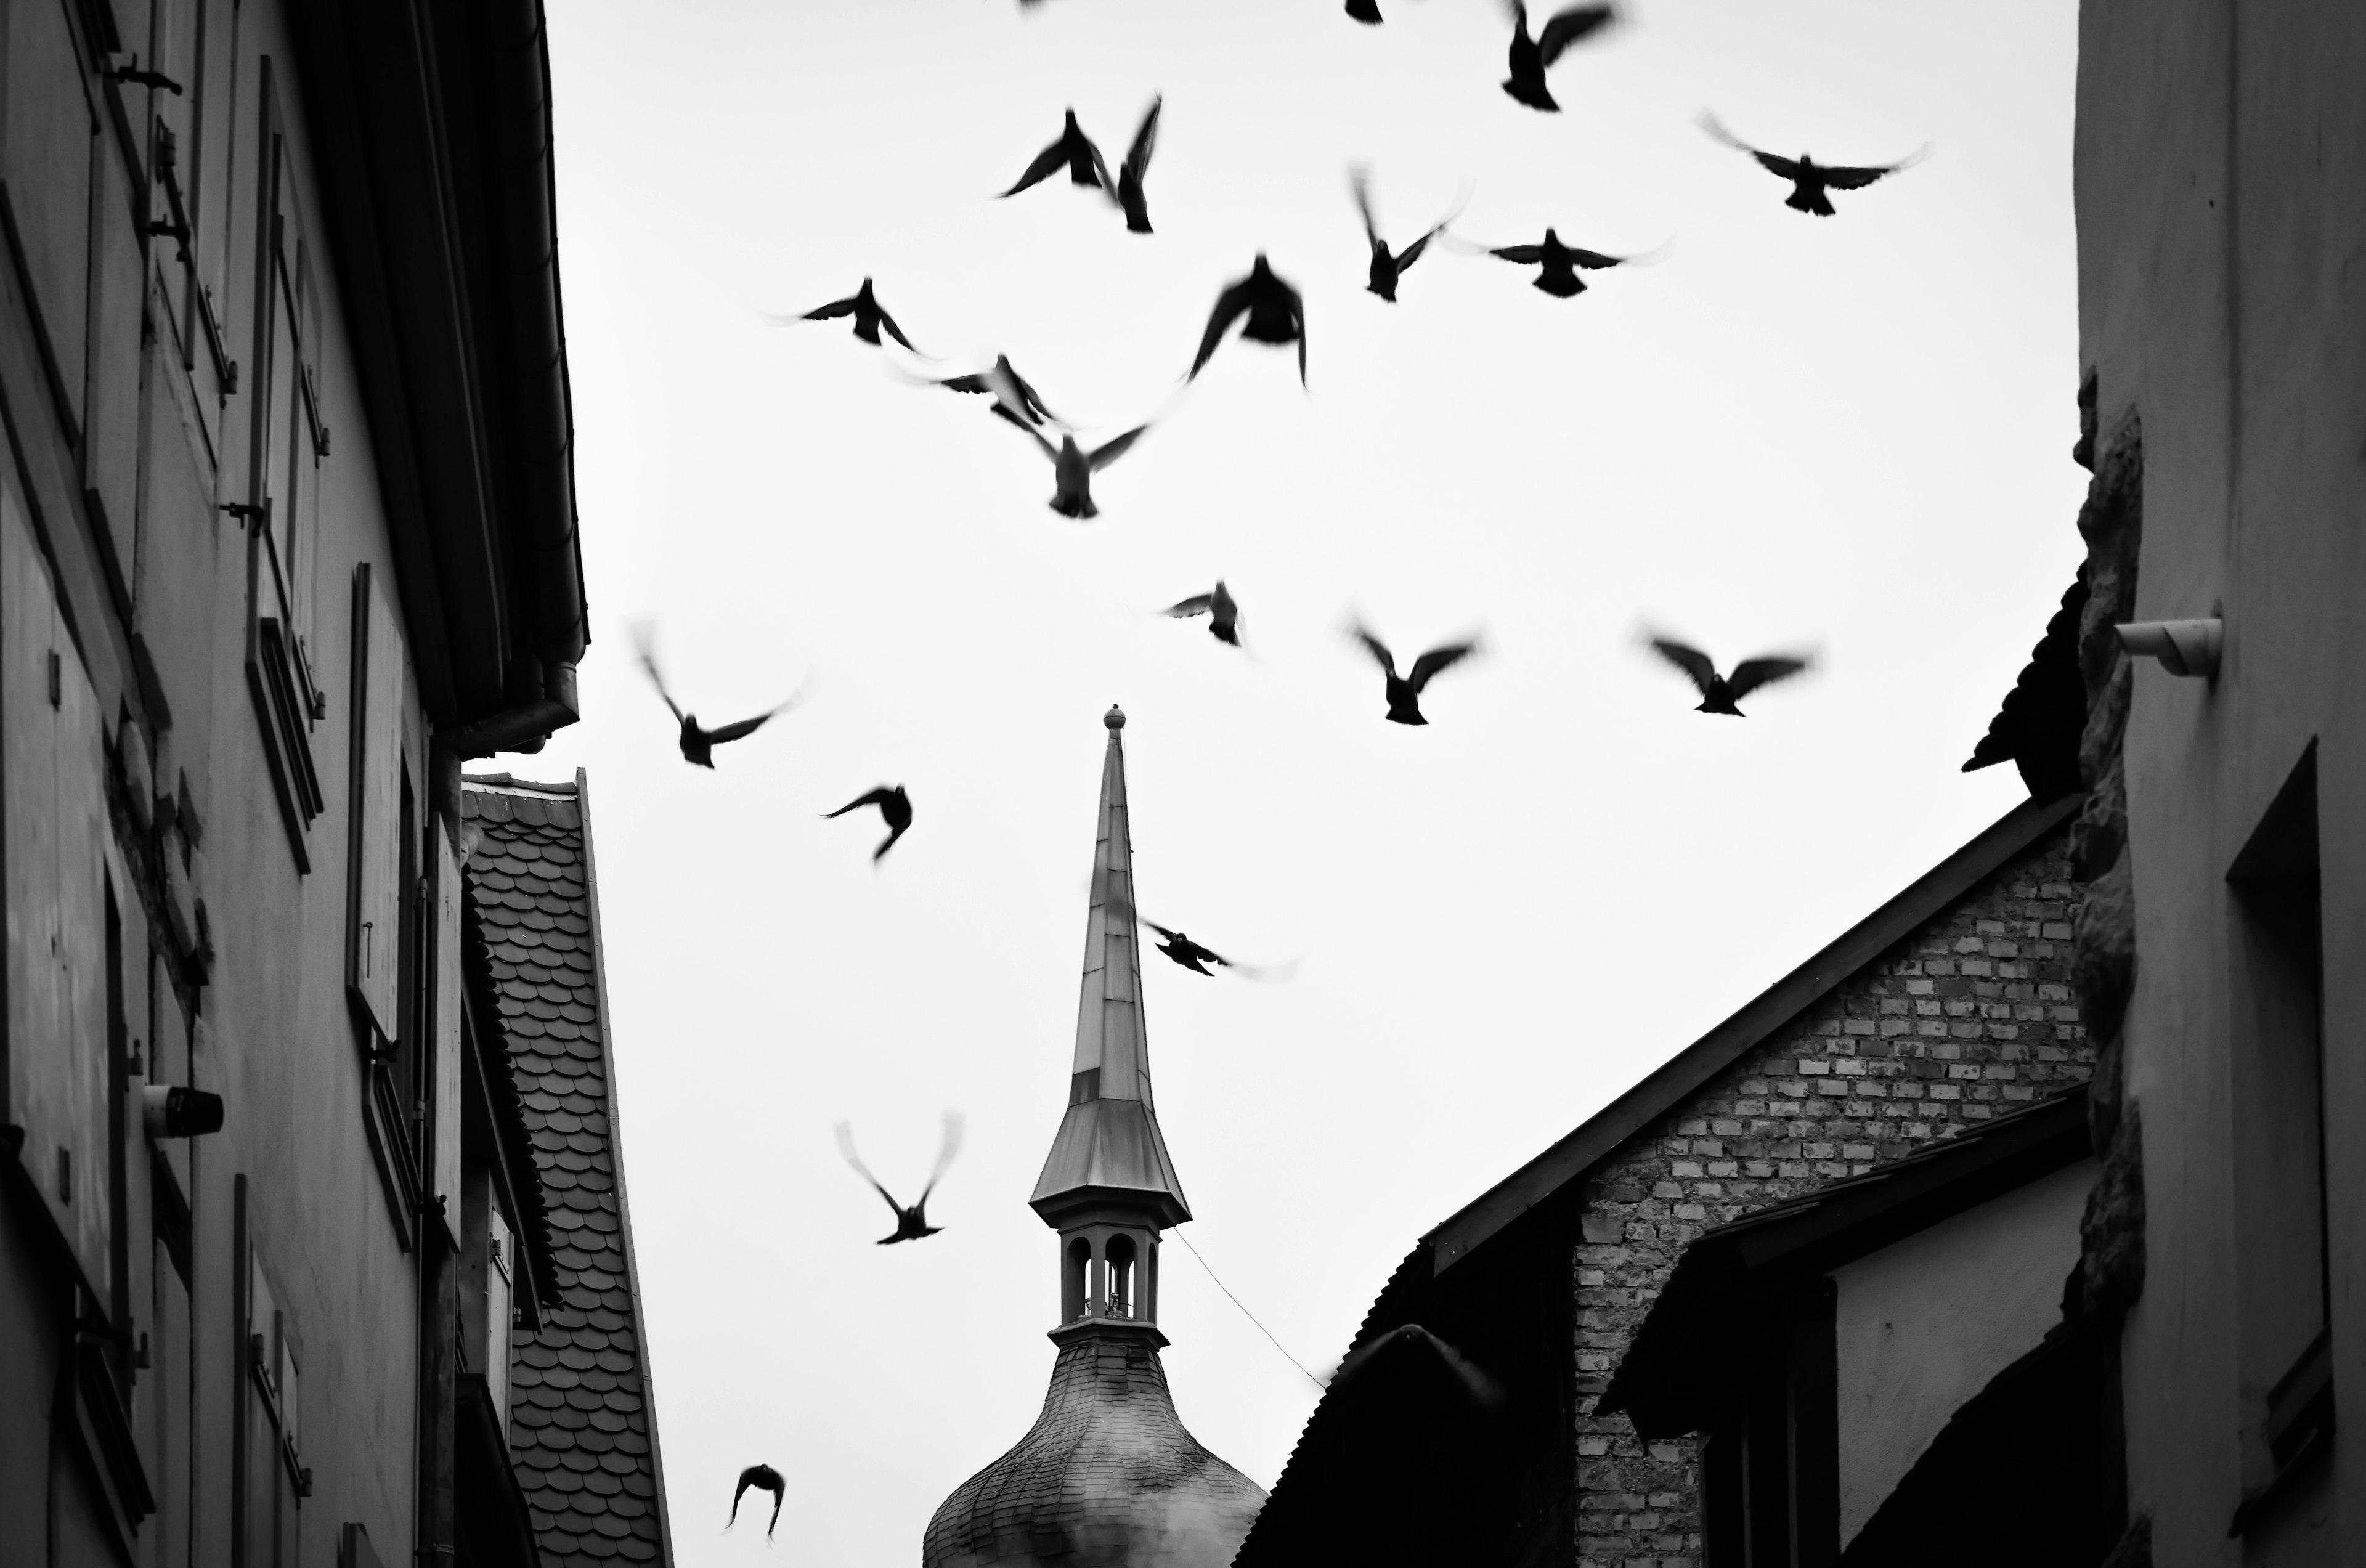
{"type": "Point", "coordinates": [1946, 1009]}
{"type": "Point", "coordinates": [287, 531]}
{"type": "Point", "coordinates": [2221, 216]}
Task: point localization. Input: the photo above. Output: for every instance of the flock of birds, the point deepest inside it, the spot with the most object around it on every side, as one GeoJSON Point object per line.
{"type": "Point", "coordinates": [1270, 310]}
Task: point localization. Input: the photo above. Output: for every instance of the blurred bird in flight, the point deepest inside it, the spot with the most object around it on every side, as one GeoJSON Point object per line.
{"type": "Point", "coordinates": [1720, 693]}
{"type": "Point", "coordinates": [1810, 180]}
{"type": "Point", "coordinates": [911, 1224]}
{"type": "Point", "coordinates": [1073, 469]}
{"type": "Point", "coordinates": [698, 743]}
{"type": "Point", "coordinates": [1222, 611]}
{"type": "Point", "coordinates": [1559, 264]}
{"type": "Point", "coordinates": [1076, 152]}
{"type": "Point", "coordinates": [1276, 315]}
{"type": "Point", "coordinates": [764, 1478]}
{"type": "Point", "coordinates": [1484, 1390]}
{"type": "Point", "coordinates": [1387, 265]}
{"type": "Point", "coordinates": [1531, 57]}
{"type": "Point", "coordinates": [870, 317]}
{"type": "Point", "coordinates": [894, 809]}
{"type": "Point", "coordinates": [1404, 691]}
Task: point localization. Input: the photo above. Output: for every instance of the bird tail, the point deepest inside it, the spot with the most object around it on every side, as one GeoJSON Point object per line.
{"type": "Point", "coordinates": [1815, 201]}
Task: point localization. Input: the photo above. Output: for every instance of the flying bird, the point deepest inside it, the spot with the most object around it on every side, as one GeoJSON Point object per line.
{"type": "Point", "coordinates": [1223, 612]}
{"type": "Point", "coordinates": [1074, 149]}
{"type": "Point", "coordinates": [1559, 264]}
{"type": "Point", "coordinates": [1720, 693]}
{"type": "Point", "coordinates": [1484, 1390]}
{"type": "Point", "coordinates": [763, 1477]}
{"type": "Point", "coordinates": [1388, 265]}
{"type": "Point", "coordinates": [1530, 58]}
{"type": "Point", "coordinates": [869, 316]}
{"type": "Point", "coordinates": [1276, 315]}
{"type": "Point", "coordinates": [1196, 957]}
{"type": "Point", "coordinates": [698, 743]}
{"type": "Point", "coordinates": [1405, 692]}
{"type": "Point", "coordinates": [1131, 200]}
{"type": "Point", "coordinates": [1073, 469]}
{"type": "Point", "coordinates": [1014, 398]}
{"type": "Point", "coordinates": [1810, 180]}
{"type": "Point", "coordinates": [894, 809]}
{"type": "Point", "coordinates": [911, 1224]}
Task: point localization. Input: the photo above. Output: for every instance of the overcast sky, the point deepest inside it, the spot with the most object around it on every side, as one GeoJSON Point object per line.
{"type": "Point", "coordinates": [1849, 434]}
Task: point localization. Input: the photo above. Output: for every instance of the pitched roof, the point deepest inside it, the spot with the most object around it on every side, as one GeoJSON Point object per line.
{"type": "Point", "coordinates": [1675, 1080]}
{"type": "Point", "coordinates": [1109, 1140]}
{"type": "Point", "coordinates": [583, 1433]}
{"type": "Point", "coordinates": [2039, 724]}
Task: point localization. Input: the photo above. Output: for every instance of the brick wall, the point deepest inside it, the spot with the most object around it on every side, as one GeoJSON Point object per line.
{"type": "Point", "coordinates": [1971, 1017]}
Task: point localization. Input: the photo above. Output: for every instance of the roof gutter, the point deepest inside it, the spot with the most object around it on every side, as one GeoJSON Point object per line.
{"type": "Point", "coordinates": [521, 187]}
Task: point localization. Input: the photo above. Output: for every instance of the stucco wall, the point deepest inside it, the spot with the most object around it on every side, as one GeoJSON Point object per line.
{"type": "Point", "coordinates": [2220, 180]}
{"type": "Point", "coordinates": [1968, 1017]}
{"type": "Point", "coordinates": [1921, 1326]}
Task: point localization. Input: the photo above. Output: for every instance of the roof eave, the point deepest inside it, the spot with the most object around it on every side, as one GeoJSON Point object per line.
{"type": "Point", "coordinates": [1666, 1086]}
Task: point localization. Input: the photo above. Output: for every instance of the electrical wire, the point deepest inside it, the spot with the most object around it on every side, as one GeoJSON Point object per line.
{"type": "Point", "coordinates": [1261, 1328]}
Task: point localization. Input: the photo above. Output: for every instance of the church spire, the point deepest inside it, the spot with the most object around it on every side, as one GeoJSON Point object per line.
{"type": "Point", "coordinates": [1107, 1477]}
{"type": "Point", "coordinates": [1109, 1170]}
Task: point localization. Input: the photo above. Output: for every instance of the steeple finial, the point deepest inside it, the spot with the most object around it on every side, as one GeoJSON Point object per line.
{"type": "Point", "coordinates": [1109, 1170]}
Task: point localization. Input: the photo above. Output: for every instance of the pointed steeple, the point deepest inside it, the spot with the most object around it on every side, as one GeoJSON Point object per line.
{"type": "Point", "coordinates": [1108, 1154]}
{"type": "Point", "coordinates": [1107, 1477]}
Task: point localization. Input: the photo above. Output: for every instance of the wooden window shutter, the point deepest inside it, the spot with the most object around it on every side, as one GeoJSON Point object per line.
{"type": "Point", "coordinates": [56, 831]}
{"type": "Point", "coordinates": [444, 1171]}
{"type": "Point", "coordinates": [374, 950]}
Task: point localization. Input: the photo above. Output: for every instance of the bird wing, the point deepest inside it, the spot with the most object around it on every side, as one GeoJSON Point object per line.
{"type": "Point", "coordinates": [1376, 648]}
{"type": "Point", "coordinates": [1110, 451]}
{"type": "Point", "coordinates": [834, 308]}
{"type": "Point", "coordinates": [1412, 253]}
{"type": "Point", "coordinates": [846, 1147]}
{"type": "Point", "coordinates": [1438, 658]}
{"type": "Point", "coordinates": [1770, 161]}
{"type": "Point", "coordinates": [649, 663]}
{"type": "Point", "coordinates": [1046, 163]}
{"type": "Point", "coordinates": [1595, 261]}
{"type": "Point", "coordinates": [1691, 661]}
{"type": "Point", "coordinates": [744, 727]}
{"type": "Point", "coordinates": [1753, 673]}
{"type": "Point", "coordinates": [1145, 141]}
{"type": "Point", "coordinates": [945, 1152]}
{"type": "Point", "coordinates": [1847, 178]}
{"type": "Point", "coordinates": [1525, 255]}
{"type": "Point", "coordinates": [1358, 180]}
{"type": "Point", "coordinates": [1006, 382]}
{"type": "Point", "coordinates": [895, 332]}
{"type": "Point", "coordinates": [878, 797]}
{"type": "Point", "coordinates": [1569, 26]}
{"type": "Point", "coordinates": [1198, 605]}
{"type": "Point", "coordinates": [779, 1495]}
{"type": "Point", "coordinates": [1230, 307]}
{"type": "Point", "coordinates": [746, 1479]}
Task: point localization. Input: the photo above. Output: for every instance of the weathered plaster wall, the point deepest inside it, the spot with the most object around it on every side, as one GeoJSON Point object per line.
{"type": "Point", "coordinates": [2221, 188]}
{"type": "Point", "coordinates": [1971, 1017]}
{"type": "Point", "coordinates": [1921, 1325]}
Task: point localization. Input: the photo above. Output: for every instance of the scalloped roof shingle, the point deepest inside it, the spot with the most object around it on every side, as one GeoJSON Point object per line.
{"type": "Point", "coordinates": [582, 1436]}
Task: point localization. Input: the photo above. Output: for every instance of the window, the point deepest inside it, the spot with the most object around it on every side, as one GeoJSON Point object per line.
{"type": "Point", "coordinates": [1769, 1467]}
{"type": "Point", "coordinates": [267, 1521]}
{"type": "Point", "coordinates": [2277, 1008]}
{"type": "Point", "coordinates": [281, 511]}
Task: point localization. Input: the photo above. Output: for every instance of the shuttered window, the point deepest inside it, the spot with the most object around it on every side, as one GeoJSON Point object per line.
{"type": "Point", "coordinates": [56, 829]}
{"type": "Point", "coordinates": [374, 953]}
{"type": "Point", "coordinates": [49, 139]}
{"type": "Point", "coordinates": [280, 513]}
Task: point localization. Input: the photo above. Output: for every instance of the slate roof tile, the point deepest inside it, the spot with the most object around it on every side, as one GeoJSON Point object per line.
{"type": "Point", "coordinates": [579, 1396]}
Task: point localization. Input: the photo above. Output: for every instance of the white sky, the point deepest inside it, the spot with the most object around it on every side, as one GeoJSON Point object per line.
{"type": "Point", "coordinates": [1851, 434]}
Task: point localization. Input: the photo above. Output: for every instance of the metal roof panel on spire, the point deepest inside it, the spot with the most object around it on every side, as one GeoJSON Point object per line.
{"type": "Point", "coordinates": [1109, 1145]}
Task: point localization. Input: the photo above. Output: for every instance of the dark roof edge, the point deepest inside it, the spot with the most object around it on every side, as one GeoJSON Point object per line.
{"type": "Point", "coordinates": [617, 1158]}
{"type": "Point", "coordinates": [1920, 903]}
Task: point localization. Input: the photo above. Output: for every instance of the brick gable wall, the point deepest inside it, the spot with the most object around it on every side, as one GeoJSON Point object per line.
{"type": "Point", "coordinates": [1969, 1017]}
